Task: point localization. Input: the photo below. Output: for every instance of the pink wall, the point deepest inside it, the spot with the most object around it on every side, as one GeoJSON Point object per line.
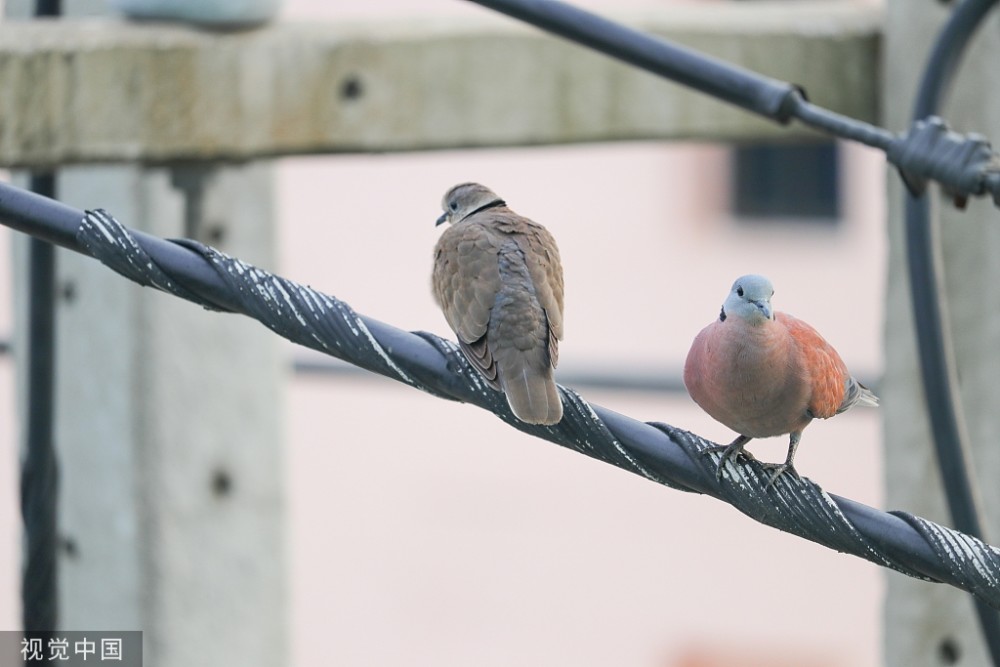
{"type": "Point", "coordinates": [464, 542]}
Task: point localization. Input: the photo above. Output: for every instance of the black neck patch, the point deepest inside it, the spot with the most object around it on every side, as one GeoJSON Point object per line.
{"type": "Point", "coordinates": [722, 314]}
{"type": "Point", "coordinates": [492, 204]}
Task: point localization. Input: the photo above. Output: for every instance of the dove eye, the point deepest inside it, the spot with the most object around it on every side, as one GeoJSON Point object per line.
{"type": "Point", "coordinates": [739, 291]}
{"type": "Point", "coordinates": [453, 206]}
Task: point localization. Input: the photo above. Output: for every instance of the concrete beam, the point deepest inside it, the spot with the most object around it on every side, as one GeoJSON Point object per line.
{"type": "Point", "coordinates": [103, 90]}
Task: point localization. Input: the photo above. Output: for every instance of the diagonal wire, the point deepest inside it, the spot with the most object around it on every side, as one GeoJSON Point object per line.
{"type": "Point", "coordinates": [965, 165]}
{"type": "Point", "coordinates": [658, 452]}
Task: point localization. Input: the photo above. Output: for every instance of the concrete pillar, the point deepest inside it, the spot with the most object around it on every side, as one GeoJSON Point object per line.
{"type": "Point", "coordinates": [168, 430]}
{"type": "Point", "coordinates": [168, 427]}
{"type": "Point", "coordinates": [929, 625]}
{"type": "Point", "coordinates": [171, 416]}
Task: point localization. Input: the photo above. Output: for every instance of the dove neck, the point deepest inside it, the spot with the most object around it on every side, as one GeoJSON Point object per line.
{"type": "Point", "coordinates": [493, 204]}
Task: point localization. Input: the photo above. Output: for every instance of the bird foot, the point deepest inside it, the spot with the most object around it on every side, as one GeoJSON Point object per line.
{"type": "Point", "coordinates": [779, 469]}
{"type": "Point", "coordinates": [730, 451]}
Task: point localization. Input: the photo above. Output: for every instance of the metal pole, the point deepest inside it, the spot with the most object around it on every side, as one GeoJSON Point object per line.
{"type": "Point", "coordinates": [39, 470]}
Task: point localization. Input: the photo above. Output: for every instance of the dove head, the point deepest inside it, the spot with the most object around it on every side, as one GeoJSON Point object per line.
{"type": "Point", "coordinates": [750, 300]}
{"type": "Point", "coordinates": [464, 199]}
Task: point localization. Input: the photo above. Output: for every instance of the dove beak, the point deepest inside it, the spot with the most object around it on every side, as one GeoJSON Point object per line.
{"type": "Point", "coordinates": [765, 308]}
{"type": "Point", "coordinates": [442, 219]}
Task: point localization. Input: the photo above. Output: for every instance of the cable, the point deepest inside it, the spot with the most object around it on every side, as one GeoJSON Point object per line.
{"type": "Point", "coordinates": [841, 126]}
{"type": "Point", "coordinates": [736, 85]}
{"type": "Point", "coordinates": [965, 165]}
{"type": "Point", "coordinates": [937, 360]}
{"type": "Point", "coordinates": [657, 452]}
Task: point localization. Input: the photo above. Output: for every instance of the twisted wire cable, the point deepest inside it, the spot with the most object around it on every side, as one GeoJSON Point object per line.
{"type": "Point", "coordinates": [659, 452]}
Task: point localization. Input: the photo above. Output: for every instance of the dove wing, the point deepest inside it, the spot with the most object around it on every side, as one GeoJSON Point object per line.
{"type": "Point", "coordinates": [827, 372]}
{"type": "Point", "coordinates": [545, 268]}
{"type": "Point", "coordinates": [465, 281]}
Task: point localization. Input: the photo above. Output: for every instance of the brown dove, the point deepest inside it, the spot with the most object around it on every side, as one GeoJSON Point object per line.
{"type": "Point", "coordinates": [763, 373]}
{"type": "Point", "coordinates": [498, 279]}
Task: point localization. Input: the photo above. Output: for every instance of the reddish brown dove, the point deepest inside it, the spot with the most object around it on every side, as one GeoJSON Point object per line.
{"type": "Point", "coordinates": [498, 279]}
{"type": "Point", "coordinates": [763, 373]}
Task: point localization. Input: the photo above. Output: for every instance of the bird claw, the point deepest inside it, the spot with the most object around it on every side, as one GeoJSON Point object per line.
{"type": "Point", "coordinates": [734, 450]}
{"type": "Point", "coordinates": [779, 470]}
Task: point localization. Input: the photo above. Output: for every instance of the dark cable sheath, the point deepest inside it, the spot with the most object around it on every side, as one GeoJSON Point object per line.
{"type": "Point", "coordinates": [966, 165]}
{"type": "Point", "coordinates": [736, 85]}
{"type": "Point", "coordinates": [841, 126]}
{"type": "Point", "coordinates": [658, 452]}
{"type": "Point", "coordinates": [937, 360]}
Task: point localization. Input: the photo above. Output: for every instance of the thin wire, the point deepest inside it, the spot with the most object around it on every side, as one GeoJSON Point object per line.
{"type": "Point", "coordinates": [961, 163]}
{"type": "Point", "coordinates": [725, 81]}
{"type": "Point", "coordinates": [840, 125]}
{"type": "Point", "coordinates": [936, 352]}
{"type": "Point", "coordinates": [662, 381]}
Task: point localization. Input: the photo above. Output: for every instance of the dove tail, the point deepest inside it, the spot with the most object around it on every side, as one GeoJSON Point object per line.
{"type": "Point", "coordinates": [531, 392]}
{"type": "Point", "coordinates": [867, 397]}
{"type": "Point", "coordinates": [858, 394]}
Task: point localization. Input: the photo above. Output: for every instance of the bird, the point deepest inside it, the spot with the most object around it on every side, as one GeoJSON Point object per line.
{"type": "Point", "coordinates": [498, 279]}
{"type": "Point", "coordinates": [764, 373]}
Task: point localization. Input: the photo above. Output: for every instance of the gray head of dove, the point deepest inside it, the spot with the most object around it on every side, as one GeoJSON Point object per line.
{"type": "Point", "coordinates": [465, 199]}
{"type": "Point", "coordinates": [750, 300]}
